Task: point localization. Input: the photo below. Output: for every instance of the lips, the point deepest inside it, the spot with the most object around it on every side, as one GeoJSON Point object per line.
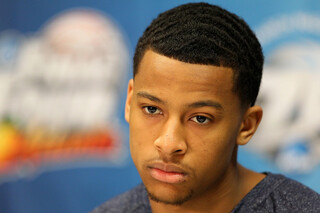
{"type": "Point", "coordinates": [167, 173]}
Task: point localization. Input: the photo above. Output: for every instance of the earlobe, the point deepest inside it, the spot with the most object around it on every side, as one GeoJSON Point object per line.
{"type": "Point", "coordinates": [128, 100]}
{"type": "Point", "coordinates": [249, 125]}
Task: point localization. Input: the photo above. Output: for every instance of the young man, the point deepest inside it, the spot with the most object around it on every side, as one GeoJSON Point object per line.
{"type": "Point", "coordinates": [197, 72]}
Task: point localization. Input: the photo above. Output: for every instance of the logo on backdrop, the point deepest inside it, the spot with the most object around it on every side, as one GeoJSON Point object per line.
{"type": "Point", "coordinates": [290, 92]}
{"type": "Point", "coordinates": [59, 93]}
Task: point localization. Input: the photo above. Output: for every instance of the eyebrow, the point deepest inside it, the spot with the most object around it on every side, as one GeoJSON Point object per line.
{"type": "Point", "coordinates": [150, 97]}
{"type": "Point", "coordinates": [207, 103]}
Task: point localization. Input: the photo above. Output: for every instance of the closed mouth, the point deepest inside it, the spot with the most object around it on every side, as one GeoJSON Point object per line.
{"type": "Point", "coordinates": [167, 173]}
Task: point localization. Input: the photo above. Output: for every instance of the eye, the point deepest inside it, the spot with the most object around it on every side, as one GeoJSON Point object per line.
{"type": "Point", "coordinates": [152, 110]}
{"type": "Point", "coordinates": [201, 119]}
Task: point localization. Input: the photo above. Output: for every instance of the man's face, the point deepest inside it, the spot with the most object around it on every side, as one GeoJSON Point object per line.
{"type": "Point", "coordinates": [184, 122]}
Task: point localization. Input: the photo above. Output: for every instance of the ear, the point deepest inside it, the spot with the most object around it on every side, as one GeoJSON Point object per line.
{"type": "Point", "coordinates": [249, 125]}
{"type": "Point", "coordinates": [128, 101]}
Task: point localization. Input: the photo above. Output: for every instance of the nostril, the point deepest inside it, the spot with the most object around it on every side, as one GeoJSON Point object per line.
{"type": "Point", "coordinates": [177, 151]}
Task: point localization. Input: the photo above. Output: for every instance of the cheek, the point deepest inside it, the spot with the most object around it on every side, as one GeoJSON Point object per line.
{"type": "Point", "coordinates": [141, 139]}
{"type": "Point", "coordinates": [214, 150]}
{"type": "Point", "coordinates": [137, 142]}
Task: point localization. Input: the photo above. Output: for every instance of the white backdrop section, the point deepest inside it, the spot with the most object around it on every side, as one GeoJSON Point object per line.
{"type": "Point", "coordinates": [290, 92]}
{"type": "Point", "coordinates": [279, 26]}
{"type": "Point", "coordinates": [69, 75]}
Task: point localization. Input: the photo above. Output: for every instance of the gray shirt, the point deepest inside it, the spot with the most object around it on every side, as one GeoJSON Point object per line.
{"type": "Point", "coordinates": [275, 193]}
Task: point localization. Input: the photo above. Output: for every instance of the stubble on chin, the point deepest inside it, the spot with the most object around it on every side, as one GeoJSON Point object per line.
{"type": "Point", "coordinates": [177, 201]}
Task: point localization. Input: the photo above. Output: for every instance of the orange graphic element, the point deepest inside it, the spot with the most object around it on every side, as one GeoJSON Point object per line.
{"type": "Point", "coordinates": [10, 143]}
{"type": "Point", "coordinates": [39, 146]}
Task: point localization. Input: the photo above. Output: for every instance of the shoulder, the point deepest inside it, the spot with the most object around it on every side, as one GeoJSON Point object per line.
{"type": "Point", "coordinates": [277, 193]}
{"type": "Point", "coordinates": [294, 196]}
{"type": "Point", "coordinates": [135, 200]}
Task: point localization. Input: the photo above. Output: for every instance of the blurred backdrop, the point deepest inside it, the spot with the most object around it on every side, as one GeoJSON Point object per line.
{"type": "Point", "coordinates": [64, 66]}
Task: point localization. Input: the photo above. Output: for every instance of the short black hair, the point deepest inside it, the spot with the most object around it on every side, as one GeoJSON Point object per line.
{"type": "Point", "coordinates": [200, 33]}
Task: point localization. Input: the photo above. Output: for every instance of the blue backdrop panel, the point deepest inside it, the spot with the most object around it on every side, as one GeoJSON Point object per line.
{"type": "Point", "coordinates": [80, 185]}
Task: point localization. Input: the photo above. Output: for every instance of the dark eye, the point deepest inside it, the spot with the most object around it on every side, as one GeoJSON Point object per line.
{"type": "Point", "coordinates": [200, 119]}
{"type": "Point", "coordinates": [152, 110]}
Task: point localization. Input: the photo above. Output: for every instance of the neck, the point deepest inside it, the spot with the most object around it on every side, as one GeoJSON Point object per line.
{"type": "Point", "coordinates": [223, 197]}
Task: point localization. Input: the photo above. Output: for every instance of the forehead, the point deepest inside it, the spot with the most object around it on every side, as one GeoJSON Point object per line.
{"type": "Point", "coordinates": [159, 70]}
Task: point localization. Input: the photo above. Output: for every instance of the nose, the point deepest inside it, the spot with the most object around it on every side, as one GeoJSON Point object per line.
{"type": "Point", "coordinates": [171, 141]}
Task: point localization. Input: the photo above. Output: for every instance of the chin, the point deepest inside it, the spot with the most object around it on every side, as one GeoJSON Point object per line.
{"type": "Point", "coordinates": [169, 194]}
